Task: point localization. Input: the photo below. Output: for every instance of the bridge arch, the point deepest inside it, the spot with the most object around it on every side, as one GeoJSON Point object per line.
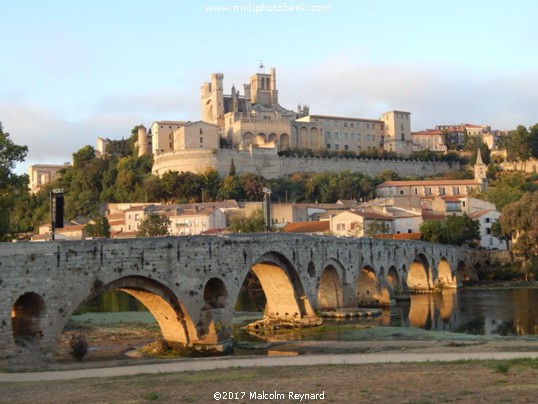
{"type": "Point", "coordinates": [466, 273]}
{"type": "Point", "coordinates": [368, 289]}
{"type": "Point", "coordinates": [445, 278]}
{"type": "Point", "coordinates": [418, 277]}
{"type": "Point", "coordinates": [172, 318]}
{"type": "Point", "coordinates": [26, 317]}
{"type": "Point", "coordinates": [330, 290]}
{"type": "Point", "coordinates": [215, 294]}
{"type": "Point", "coordinates": [282, 286]}
{"type": "Point", "coordinates": [393, 279]}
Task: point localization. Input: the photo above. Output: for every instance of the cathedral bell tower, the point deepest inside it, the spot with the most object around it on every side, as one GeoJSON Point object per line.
{"type": "Point", "coordinates": [480, 171]}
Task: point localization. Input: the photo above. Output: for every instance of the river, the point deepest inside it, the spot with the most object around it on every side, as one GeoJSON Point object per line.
{"type": "Point", "coordinates": [481, 311]}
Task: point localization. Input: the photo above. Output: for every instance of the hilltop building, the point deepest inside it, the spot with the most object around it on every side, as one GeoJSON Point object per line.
{"type": "Point", "coordinates": [42, 174]}
{"type": "Point", "coordinates": [252, 127]}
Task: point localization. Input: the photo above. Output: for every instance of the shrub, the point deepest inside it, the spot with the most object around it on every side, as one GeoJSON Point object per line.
{"type": "Point", "coordinates": [78, 347]}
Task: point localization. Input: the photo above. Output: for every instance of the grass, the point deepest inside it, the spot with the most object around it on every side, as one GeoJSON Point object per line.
{"type": "Point", "coordinates": [502, 368]}
{"type": "Point", "coordinates": [152, 396]}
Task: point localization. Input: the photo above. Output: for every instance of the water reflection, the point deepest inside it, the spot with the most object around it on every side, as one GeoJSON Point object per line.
{"type": "Point", "coordinates": [488, 312]}
{"type": "Point", "coordinates": [471, 311]}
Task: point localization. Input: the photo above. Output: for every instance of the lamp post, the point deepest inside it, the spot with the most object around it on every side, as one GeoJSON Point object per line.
{"type": "Point", "coordinates": [56, 210]}
{"type": "Point", "coordinates": [267, 208]}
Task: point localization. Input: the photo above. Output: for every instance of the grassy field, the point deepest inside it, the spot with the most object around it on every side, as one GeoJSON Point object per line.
{"type": "Point", "coordinates": [462, 382]}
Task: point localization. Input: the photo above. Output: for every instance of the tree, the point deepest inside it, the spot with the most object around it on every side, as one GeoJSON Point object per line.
{"type": "Point", "coordinates": [253, 186]}
{"type": "Point", "coordinates": [154, 225]}
{"type": "Point", "coordinates": [434, 231]}
{"type": "Point", "coordinates": [356, 229]}
{"type": "Point", "coordinates": [98, 227]}
{"type": "Point", "coordinates": [255, 223]}
{"type": "Point", "coordinates": [455, 230]}
{"type": "Point", "coordinates": [12, 186]}
{"type": "Point", "coordinates": [462, 230]}
{"type": "Point", "coordinates": [520, 219]}
{"type": "Point", "coordinates": [376, 227]}
{"type": "Point", "coordinates": [497, 231]}
{"type": "Point", "coordinates": [505, 190]}
{"type": "Point", "coordinates": [518, 144]}
{"type": "Point", "coordinates": [211, 183]}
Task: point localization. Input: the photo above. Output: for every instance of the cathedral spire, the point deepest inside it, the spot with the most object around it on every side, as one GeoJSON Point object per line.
{"type": "Point", "coordinates": [480, 171]}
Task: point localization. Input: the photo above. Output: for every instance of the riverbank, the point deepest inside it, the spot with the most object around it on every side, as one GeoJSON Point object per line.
{"type": "Point", "coordinates": [335, 378]}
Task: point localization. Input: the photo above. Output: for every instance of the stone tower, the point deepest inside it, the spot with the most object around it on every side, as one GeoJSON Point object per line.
{"type": "Point", "coordinates": [213, 100]}
{"type": "Point", "coordinates": [143, 141]}
{"type": "Point", "coordinates": [480, 171]}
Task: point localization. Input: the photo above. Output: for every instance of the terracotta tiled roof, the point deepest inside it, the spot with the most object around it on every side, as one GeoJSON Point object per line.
{"type": "Point", "coordinates": [479, 213]}
{"type": "Point", "coordinates": [307, 227]}
{"type": "Point", "coordinates": [216, 230]}
{"type": "Point", "coordinates": [427, 183]}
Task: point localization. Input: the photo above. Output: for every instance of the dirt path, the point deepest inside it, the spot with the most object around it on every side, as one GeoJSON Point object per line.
{"type": "Point", "coordinates": [259, 361]}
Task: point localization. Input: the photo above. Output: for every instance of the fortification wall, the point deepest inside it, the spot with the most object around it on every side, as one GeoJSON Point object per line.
{"type": "Point", "coordinates": [529, 166]}
{"type": "Point", "coordinates": [405, 168]}
{"type": "Point", "coordinates": [267, 163]}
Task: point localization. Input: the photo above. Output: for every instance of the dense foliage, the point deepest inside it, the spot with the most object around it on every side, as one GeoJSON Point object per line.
{"type": "Point", "coordinates": [455, 230]}
{"type": "Point", "coordinates": [255, 223]}
{"type": "Point", "coordinates": [98, 227]}
{"type": "Point", "coordinates": [520, 220]}
{"type": "Point", "coordinates": [521, 144]}
{"type": "Point", "coordinates": [154, 225]}
{"type": "Point", "coordinates": [13, 187]}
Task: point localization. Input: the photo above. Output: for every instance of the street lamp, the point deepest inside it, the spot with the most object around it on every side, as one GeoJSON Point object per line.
{"type": "Point", "coordinates": [56, 210]}
{"type": "Point", "coordinates": [267, 207]}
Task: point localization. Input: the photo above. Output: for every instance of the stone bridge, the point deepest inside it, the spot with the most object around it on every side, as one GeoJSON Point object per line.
{"type": "Point", "coordinates": [191, 284]}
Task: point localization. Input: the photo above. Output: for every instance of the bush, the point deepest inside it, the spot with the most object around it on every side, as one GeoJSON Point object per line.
{"type": "Point", "coordinates": [78, 347]}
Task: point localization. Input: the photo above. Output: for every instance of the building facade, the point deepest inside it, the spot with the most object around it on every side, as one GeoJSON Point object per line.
{"type": "Point", "coordinates": [42, 174]}
{"type": "Point", "coordinates": [254, 121]}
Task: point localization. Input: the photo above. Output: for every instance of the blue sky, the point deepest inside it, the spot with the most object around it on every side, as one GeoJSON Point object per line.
{"type": "Point", "coordinates": [72, 70]}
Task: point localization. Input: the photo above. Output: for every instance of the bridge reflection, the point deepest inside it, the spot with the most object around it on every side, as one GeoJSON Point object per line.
{"type": "Point", "coordinates": [486, 312]}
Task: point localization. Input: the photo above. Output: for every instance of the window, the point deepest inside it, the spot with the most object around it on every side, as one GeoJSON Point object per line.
{"type": "Point", "coordinates": [346, 147]}
{"type": "Point", "coordinates": [488, 230]}
{"type": "Point", "coordinates": [328, 146]}
{"type": "Point", "coordinates": [200, 131]}
{"type": "Point", "coordinates": [340, 226]}
{"type": "Point", "coordinates": [201, 140]}
{"type": "Point", "coordinates": [358, 137]}
{"type": "Point", "coordinates": [488, 220]}
{"type": "Point", "coordinates": [336, 147]}
{"type": "Point", "coordinates": [441, 190]}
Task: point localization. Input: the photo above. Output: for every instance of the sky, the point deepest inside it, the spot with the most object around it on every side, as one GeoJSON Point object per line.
{"type": "Point", "coordinates": [72, 71]}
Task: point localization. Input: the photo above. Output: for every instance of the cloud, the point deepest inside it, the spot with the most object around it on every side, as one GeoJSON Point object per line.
{"type": "Point", "coordinates": [51, 138]}
{"type": "Point", "coordinates": [435, 93]}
